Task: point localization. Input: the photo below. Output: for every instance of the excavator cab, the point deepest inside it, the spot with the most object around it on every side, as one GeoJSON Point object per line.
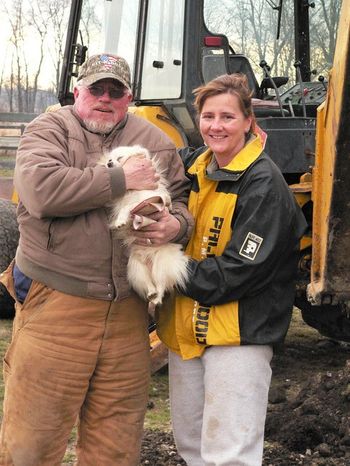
{"type": "Point", "coordinates": [174, 46]}
{"type": "Point", "coordinates": [171, 51]}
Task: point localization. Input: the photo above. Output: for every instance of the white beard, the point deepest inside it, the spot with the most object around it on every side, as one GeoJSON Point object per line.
{"type": "Point", "coordinates": [101, 127]}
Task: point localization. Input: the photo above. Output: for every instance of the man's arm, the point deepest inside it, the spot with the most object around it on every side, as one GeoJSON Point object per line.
{"type": "Point", "coordinates": [49, 186]}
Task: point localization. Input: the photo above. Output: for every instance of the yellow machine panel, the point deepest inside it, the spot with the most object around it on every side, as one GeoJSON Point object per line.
{"type": "Point", "coordinates": [330, 274]}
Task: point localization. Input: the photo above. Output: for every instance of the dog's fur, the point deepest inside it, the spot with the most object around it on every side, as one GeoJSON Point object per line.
{"type": "Point", "coordinates": [152, 270]}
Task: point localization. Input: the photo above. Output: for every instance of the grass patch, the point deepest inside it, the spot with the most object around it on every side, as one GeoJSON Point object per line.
{"type": "Point", "coordinates": [6, 172]}
{"type": "Point", "coordinates": [158, 412]}
{"type": "Point", "coordinates": [7, 165]}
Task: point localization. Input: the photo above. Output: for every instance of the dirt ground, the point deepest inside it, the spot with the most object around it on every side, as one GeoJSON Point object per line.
{"type": "Point", "coordinates": [308, 419]}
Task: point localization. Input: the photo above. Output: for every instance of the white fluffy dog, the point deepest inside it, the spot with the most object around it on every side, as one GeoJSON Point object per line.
{"type": "Point", "coordinates": [152, 270]}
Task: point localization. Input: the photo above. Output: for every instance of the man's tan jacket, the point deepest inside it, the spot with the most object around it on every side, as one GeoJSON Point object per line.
{"type": "Point", "coordinates": [65, 241]}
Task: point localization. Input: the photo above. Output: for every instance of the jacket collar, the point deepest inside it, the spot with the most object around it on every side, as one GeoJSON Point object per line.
{"type": "Point", "coordinates": [237, 166]}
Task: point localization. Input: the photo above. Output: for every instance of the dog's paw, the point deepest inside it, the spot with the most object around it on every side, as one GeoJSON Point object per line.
{"type": "Point", "coordinates": [155, 298]}
{"type": "Point", "coordinates": [151, 296]}
{"type": "Point", "coordinates": [167, 201]}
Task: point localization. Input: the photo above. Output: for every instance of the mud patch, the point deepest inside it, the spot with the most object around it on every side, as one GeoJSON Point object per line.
{"type": "Point", "coordinates": [308, 419]}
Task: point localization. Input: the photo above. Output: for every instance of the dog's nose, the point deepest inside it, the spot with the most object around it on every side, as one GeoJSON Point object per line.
{"type": "Point", "coordinates": [110, 163]}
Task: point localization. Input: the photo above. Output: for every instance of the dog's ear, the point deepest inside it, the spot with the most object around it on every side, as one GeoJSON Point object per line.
{"type": "Point", "coordinates": [124, 158]}
{"type": "Point", "coordinates": [139, 151]}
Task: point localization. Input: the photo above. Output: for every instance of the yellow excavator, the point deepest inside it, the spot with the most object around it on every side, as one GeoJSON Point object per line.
{"type": "Point", "coordinates": [173, 46]}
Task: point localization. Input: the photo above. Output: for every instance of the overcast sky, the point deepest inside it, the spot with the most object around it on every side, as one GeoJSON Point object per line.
{"type": "Point", "coordinates": [31, 47]}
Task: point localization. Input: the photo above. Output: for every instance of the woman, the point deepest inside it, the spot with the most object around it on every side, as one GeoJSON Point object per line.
{"type": "Point", "coordinates": [238, 302]}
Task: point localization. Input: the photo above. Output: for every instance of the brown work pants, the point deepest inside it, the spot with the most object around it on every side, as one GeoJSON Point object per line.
{"type": "Point", "coordinates": [73, 359]}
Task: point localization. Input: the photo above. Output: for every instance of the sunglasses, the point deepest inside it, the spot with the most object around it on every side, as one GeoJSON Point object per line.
{"type": "Point", "coordinates": [98, 91]}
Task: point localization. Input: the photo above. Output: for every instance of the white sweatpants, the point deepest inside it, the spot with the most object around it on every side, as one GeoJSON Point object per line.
{"type": "Point", "coordinates": [218, 405]}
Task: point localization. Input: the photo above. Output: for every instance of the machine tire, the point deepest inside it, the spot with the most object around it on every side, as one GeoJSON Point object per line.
{"type": "Point", "coordinates": [9, 235]}
{"type": "Point", "coordinates": [330, 321]}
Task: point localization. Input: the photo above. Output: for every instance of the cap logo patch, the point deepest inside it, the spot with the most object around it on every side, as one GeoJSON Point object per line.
{"type": "Point", "coordinates": [251, 246]}
{"type": "Point", "coordinates": [108, 61]}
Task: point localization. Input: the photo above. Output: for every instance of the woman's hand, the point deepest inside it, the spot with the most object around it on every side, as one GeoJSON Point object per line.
{"type": "Point", "coordinates": [163, 230]}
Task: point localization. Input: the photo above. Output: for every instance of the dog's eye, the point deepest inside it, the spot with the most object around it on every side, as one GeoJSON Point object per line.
{"type": "Point", "coordinates": [110, 163]}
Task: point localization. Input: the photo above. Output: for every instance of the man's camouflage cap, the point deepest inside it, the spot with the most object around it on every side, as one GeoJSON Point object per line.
{"type": "Point", "coordinates": [105, 66]}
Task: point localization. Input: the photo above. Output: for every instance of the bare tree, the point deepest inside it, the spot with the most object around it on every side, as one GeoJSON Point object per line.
{"type": "Point", "coordinates": [2, 78]}
{"type": "Point", "coordinates": [15, 18]}
{"type": "Point", "coordinates": [89, 20]}
{"type": "Point", "coordinates": [324, 22]}
{"type": "Point", "coordinates": [57, 10]}
{"type": "Point", "coordinates": [251, 26]}
{"type": "Point", "coordinates": [9, 87]}
{"type": "Point", "coordinates": [21, 86]}
{"type": "Point", "coordinates": [38, 21]}
{"type": "Point", "coordinates": [33, 21]}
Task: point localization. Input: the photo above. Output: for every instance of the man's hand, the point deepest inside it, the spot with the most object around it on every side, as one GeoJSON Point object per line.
{"type": "Point", "coordinates": [162, 231]}
{"type": "Point", "coordinates": [140, 174]}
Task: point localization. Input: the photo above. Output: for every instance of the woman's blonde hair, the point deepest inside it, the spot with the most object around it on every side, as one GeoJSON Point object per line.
{"type": "Point", "coordinates": [235, 84]}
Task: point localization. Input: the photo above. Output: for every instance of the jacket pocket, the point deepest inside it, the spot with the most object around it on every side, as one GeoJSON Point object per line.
{"type": "Point", "coordinates": [32, 306]}
{"type": "Point", "coordinates": [49, 245]}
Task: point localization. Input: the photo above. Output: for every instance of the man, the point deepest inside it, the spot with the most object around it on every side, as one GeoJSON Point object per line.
{"type": "Point", "coordinates": [80, 345]}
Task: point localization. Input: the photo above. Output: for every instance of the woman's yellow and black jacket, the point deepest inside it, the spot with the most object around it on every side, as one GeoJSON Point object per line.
{"type": "Point", "coordinates": [244, 250]}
